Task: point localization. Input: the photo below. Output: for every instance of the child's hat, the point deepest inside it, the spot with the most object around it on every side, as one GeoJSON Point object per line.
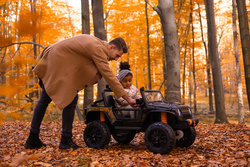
{"type": "Point", "coordinates": [123, 73]}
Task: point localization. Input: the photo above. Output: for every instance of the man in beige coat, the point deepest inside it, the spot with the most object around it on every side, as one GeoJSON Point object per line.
{"type": "Point", "coordinates": [66, 67]}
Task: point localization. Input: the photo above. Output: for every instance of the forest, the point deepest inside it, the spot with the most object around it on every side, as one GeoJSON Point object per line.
{"type": "Point", "coordinates": [196, 52]}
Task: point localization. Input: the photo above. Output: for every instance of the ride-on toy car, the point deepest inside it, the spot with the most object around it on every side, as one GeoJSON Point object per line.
{"type": "Point", "coordinates": [166, 125]}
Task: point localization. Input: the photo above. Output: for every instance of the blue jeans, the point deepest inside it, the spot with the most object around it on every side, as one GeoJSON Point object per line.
{"type": "Point", "coordinates": [68, 114]}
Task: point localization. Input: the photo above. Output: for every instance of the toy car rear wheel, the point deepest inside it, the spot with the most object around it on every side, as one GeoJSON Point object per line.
{"type": "Point", "coordinates": [124, 137]}
{"type": "Point", "coordinates": [187, 139]}
{"type": "Point", "coordinates": [96, 134]}
{"type": "Point", "coordinates": [160, 138]}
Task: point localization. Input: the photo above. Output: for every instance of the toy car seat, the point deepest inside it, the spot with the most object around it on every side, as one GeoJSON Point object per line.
{"type": "Point", "coordinates": [110, 101]}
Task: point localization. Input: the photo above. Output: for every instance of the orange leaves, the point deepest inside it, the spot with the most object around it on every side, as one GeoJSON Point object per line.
{"type": "Point", "coordinates": [8, 91]}
{"type": "Point", "coordinates": [5, 40]}
{"type": "Point", "coordinates": [216, 145]}
{"type": "Point", "coordinates": [27, 24]}
{"type": "Point", "coordinates": [21, 158]}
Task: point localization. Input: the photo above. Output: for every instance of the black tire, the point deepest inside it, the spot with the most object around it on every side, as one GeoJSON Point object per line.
{"type": "Point", "coordinates": [160, 138]}
{"type": "Point", "coordinates": [124, 137]}
{"type": "Point", "coordinates": [96, 134]}
{"type": "Point", "coordinates": [187, 139]}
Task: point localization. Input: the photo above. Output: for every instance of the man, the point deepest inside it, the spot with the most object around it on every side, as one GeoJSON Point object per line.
{"type": "Point", "coordinates": [66, 67]}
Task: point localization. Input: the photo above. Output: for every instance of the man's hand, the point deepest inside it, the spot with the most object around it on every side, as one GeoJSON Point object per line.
{"type": "Point", "coordinates": [131, 102]}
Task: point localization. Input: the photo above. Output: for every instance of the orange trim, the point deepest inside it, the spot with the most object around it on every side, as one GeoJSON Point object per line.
{"type": "Point", "coordinates": [102, 117]}
{"type": "Point", "coordinates": [190, 121]}
{"type": "Point", "coordinates": [164, 117]}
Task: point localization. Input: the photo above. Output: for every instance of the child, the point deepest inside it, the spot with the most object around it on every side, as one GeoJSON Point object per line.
{"type": "Point", "coordinates": [125, 77]}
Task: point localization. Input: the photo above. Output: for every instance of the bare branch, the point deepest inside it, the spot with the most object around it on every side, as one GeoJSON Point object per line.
{"type": "Point", "coordinates": [155, 8]}
{"type": "Point", "coordinates": [17, 43]}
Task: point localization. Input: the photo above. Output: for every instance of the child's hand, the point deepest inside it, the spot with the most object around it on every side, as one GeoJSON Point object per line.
{"type": "Point", "coordinates": [131, 102]}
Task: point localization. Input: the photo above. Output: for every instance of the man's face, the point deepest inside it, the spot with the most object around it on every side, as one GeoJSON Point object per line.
{"type": "Point", "coordinates": [114, 54]}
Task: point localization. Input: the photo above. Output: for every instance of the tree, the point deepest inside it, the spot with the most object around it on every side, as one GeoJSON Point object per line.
{"type": "Point", "coordinates": [208, 65]}
{"type": "Point", "coordinates": [99, 31]}
{"type": "Point", "coordinates": [245, 42]}
{"type": "Point", "coordinates": [215, 62]}
{"type": "Point", "coordinates": [165, 10]}
{"type": "Point", "coordinates": [193, 59]}
{"type": "Point", "coordinates": [88, 92]}
{"type": "Point", "coordinates": [148, 46]}
{"type": "Point", "coordinates": [238, 68]}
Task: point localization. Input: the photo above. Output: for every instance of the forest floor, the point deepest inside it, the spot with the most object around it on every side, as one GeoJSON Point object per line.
{"type": "Point", "coordinates": [215, 145]}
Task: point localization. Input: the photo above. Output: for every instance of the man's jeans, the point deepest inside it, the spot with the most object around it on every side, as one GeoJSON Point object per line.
{"type": "Point", "coordinates": [68, 114]}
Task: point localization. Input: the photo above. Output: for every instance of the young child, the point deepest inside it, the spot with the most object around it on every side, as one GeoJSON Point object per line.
{"type": "Point", "coordinates": [125, 77]}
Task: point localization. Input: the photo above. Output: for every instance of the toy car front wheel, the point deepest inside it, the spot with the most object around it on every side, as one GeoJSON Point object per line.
{"type": "Point", "coordinates": [187, 139]}
{"type": "Point", "coordinates": [124, 137]}
{"type": "Point", "coordinates": [96, 134]}
{"type": "Point", "coordinates": [160, 138]}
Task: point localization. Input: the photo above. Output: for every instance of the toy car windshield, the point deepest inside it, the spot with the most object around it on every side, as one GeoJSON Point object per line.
{"type": "Point", "coordinates": [154, 96]}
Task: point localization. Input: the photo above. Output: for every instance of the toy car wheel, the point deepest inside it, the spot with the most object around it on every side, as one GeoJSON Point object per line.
{"type": "Point", "coordinates": [123, 138]}
{"type": "Point", "coordinates": [160, 138]}
{"type": "Point", "coordinates": [187, 139]}
{"type": "Point", "coordinates": [96, 134]}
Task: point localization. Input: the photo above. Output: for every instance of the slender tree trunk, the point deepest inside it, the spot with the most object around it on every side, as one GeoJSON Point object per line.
{"type": "Point", "coordinates": [238, 69]}
{"type": "Point", "coordinates": [209, 82]}
{"type": "Point", "coordinates": [184, 74]}
{"type": "Point", "coordinates": [184, 60]}
{"type": "Point", "coordinates": [99, 31]}
{"type": "Point", "coordinates": [245, 42]}
{"type": "Point", "coordinates": [33, 10]}
{"type": "Point", "coordinates": [148, 46]}
{"type": "Point", "coordinates": [88, 92]}
{"type": "Point", "coordinates": [194, 80]}
{"type": "Point", "coordinates": [221, 116]}
{"type": "Point", "coordinates": [190, 88]}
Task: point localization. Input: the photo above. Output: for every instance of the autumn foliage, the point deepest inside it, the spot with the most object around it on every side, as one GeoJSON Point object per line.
{"type": "Point", "coordinates": [27, 26]}
{"type": "Point", "coordinates": [46, 22]}
{"type": "Point", "coordinates": [216, 145]}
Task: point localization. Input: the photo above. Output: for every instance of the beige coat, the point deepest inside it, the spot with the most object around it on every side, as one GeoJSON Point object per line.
{"type": "Point", "coordinates": [73, 64]}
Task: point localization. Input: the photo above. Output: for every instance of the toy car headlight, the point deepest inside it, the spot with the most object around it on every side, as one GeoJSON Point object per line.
{"type": "Point", "coordinates": [179, 112]}
{"type": "Point", "coordinates": [190, 111]}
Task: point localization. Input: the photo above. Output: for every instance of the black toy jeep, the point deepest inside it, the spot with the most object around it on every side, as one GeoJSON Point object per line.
{"type": "Point", "coordinates": [166, 125]}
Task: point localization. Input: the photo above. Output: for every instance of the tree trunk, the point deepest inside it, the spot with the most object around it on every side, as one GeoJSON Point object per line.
{"type": "Point", "coordinates": [238, 69]}
{"type": "Point", "coordinates": [99, 31]}
{"type": "Point", "coordinates": [33, 10]}
{"type": "Point", "coordinates": [209, 82]}
{"type": "Point", "coordinates": [148, 47]}
{"type": "Point", "coordinates": [184, 60]}
{"type": "Point", "coordinates": [88, 92]}
{"type": "Point", "coordinates": [221, 116]}
{"type": "Point", "coordinates": [194, 80]}
{"type": "Point", "coordinates": [165, 10]}
{"type": "Point", "coordinates": [245, 42]}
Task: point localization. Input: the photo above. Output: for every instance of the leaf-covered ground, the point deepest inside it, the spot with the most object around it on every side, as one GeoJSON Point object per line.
{"type": "Point", "coordinates": [215, 145]}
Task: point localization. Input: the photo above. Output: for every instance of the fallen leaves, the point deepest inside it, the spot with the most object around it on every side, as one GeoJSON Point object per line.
{"type": "Point", "coordinates": [215, 145]}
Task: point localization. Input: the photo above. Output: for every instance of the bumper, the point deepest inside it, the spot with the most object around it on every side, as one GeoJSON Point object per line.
{"type": "Point", "coordinates": [187, 123]}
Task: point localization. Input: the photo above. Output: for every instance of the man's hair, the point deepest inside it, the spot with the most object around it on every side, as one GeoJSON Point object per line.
{"type": "Point", "coordinates": [119, 43]}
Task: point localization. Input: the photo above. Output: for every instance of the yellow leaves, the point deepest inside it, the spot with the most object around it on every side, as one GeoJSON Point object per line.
{"type": "Point", "coordinates": [2, 117]}
{"type": "Point", "coordinates": [15, 115]}
{"type": "Point", "coordinates": [27, 24]}
{"type": "Point", "coordinates": [8, 91]}
{"type": "Point", "coordinates": [5, 40]}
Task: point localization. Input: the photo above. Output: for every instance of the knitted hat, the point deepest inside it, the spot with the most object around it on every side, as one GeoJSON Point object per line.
{"type": "Point", "coordinates": [123, 73]}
